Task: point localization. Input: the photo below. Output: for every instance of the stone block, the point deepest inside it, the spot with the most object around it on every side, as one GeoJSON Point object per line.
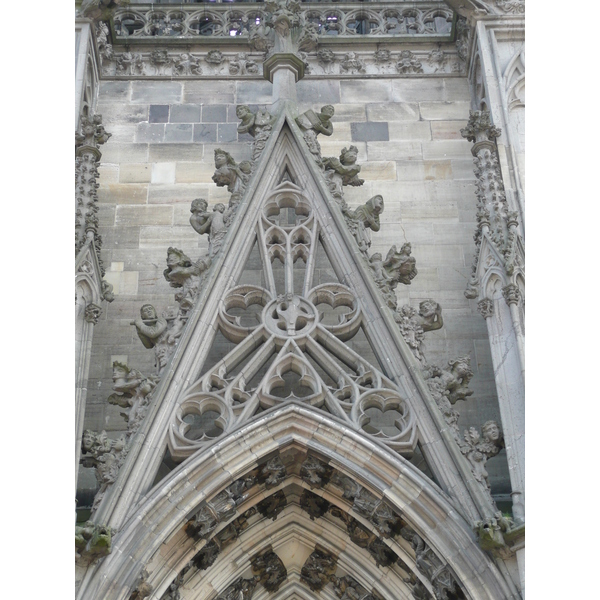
{"type": "Point", "coordinates": [218, 194]}
{"type": "Point", "coordinates": [108, 174]}
{"type": "Point", "coordinates": [106, 215]}
{"type": "Point", "coordinates": [129, 193]}
{"type": "Point", "coordinates": [205, 133]}
{"type": "Point", "coordinates": [359, 90]}
{"type": "Point", "coordinates": [144, 215]}
{"type": "Point", "coordinates": [122, 113]}
{"type": "Point", "coordinates": [194, 172]}
{"type": "Point", "coordinates": [349, 112]}
{"type": "Point", "coordinates": [183, 237]}
{"type": "Point", "coordinates": [122, 133]}
{"type": "Point", "coordinates": [463, 168]}
{"type": "Point", "coordinates": [418, 90]}
{"type": "Point", "coordinates": [163, 172]}
{"type": "Point", "coordinates": [257, 92]}
{"type": "Point", "coordinates": [214, 113]}
{"type": "Point", "coordinates": [227, 132]}
{"type": "Point", "coordinates": [175, 152]}
{"type": "Point", "coordinates": [437, 169]}
{"type": "Point", "coordinates": [128, 285]}
{"type": "Point", "coordinates": [369, 132]}
{"type": "Point", "coordinates": [120, 237]}
{"type": "Point", "coordinates": [409, 170]}
{"type": "Point", "coordinates": [394, 150]}
{"type": "Point", "coordinates": [172, 194]}
{"type": "Point", "coordinates": [438, 254]}
{"type": "Point", "coordinates": [318, 92]}
{"type": "Point", "coordinates": [156, 92]}
{"type": "Point", "coordinates": [393, 111]}
{"type": "Point", "coordinates": [114, 278]}
{"type": "Point", "coordinates": [444, 111]}
{"type": "Point", "coordinates": [410, 130]}
{"type": "Point", "coordinates": [209, 92]}
{"type": "Point", "coordinates": [124, 153]}
{"type": "Point", "coordinates": [185, 113]}
{"type": "Point", "coordinates": [456, 88]}
{"type": "Point", "coordinates": [446, 149]}
{"type": "Point", "coordinates": [179, 132]}
{"type": "Point", "coordinates": [134, 173]}
{"type": "Point", "coordinates": [158, 113]}
{"type": "Point", "coordinates": [114, 91]}
{"type": "Point", "coordinates": [377, 171]}
{"type": "Point", "coordinates": [431, 211]}
{"type": "Point", "coordinates": [238, 151]}
{"type": "Point", "coordinates": [447, 130]}
{"type": "Point", "coordinates": [117, 266]}
{"type": "Point", "coordinates": [341, 133]}
{"type": "Point", "coordinates": [150, 132]}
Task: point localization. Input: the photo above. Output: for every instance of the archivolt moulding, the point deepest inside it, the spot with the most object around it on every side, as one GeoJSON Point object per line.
{"type": "Point", "coordinates": [169, 505]}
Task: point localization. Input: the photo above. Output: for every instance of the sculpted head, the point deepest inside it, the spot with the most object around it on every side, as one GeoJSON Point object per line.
{"type": "Point", "coordinates": [242, 110]}
{"type": "Point", "coordinates": [148, 312]}
{"type": "Point", "coordinates": [328, 110]}
{"type": "Point", "coordinates": [245, 167]}
{"type": "Point", "coordinates": [176, 257]}
{"type": "Point", "coordinates": [406, 248]}
{"type": "Point", "coordinates": [349, 155]}
{"type": "Point", "coordinates": [491, 432]}
{"type": "Point", "coordinates": [223, 158]}
{"type": "Point", "coordinates": [376, 204]}
{"type": "Point", "coordinates": [427, 308]}
{"type": "Point", "coordinates": [170, 313]}
{"type": "Point", "coordinates": [88, 439]}
{"type": "Point", "coordinates": [199, 205]}
{"type": "Point", "coordinates": [461, 367]}
{"type": "Point", "coordinates": [376, 257]}
{"type": "Point", "coordinates": [120, 370]}
{"type": "Point", "coordinates": [219, 207]}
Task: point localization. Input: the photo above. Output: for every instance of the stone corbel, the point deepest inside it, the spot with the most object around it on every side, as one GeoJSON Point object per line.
{"type": "Point", "coordinates": [93, 313]}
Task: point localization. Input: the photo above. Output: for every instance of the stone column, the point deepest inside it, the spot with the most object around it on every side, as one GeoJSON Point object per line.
{"type": "Point", "coordinates": [496, 280]}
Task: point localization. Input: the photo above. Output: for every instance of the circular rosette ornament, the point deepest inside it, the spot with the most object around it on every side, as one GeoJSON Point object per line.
{"type": "Point", "coordinates": [384, 415]}
{"type": "Point", "coordinates": [290, 316]}
{"type": "Point", "coordinates": [240, 310]}
{"type": "Point", "coordinates": [201, 418]}
{"type": "Point", "coordinates": [341, 305]}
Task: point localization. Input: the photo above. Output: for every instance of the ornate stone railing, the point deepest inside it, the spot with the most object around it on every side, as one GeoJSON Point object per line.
{"type": "Point", "coordinates": [231, 21]}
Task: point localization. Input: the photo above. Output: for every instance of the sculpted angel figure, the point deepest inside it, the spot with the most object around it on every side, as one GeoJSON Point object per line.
{"type": "Point", "coordinates": [413, 324]}
{"type": "Point", "coordinates": [230, 175]}
{"type": "Point", "coordinates": [363, 218]}
{"type": "Point", "coordinates": [312, 124]}
{"type": "Point", "coordinates": [400, 266]}
{"type": "Point", "coordinates": [342, 171]}
{"type": "Point", "coordinates": [213, 223]}
{"type": "Point", "coordinates": [258, 125]}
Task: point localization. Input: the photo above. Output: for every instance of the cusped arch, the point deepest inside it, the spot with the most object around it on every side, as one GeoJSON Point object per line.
{"type": "Point", "coordinates": [161, 515]}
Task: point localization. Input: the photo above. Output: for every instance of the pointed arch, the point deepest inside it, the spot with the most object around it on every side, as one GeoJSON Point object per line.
{"type": "Point", "coordinates": [153, 538]}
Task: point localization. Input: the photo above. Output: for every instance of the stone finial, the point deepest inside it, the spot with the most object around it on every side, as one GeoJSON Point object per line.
{"type": "Point", "coordinates": [486, 307]}
{"type": "Point", "coordinates": [480, 127]}
{"type": "Point", "coordinates": [511, 293]}
{"type": "Point", "coordinates": [91, 133]}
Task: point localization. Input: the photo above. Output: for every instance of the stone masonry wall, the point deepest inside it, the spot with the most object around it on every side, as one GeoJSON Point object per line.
{"type": "Point", "coordinates": [160, 157]}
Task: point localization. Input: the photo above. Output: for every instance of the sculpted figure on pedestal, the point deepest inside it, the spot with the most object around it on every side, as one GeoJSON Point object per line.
{"type": "Point", "coordinates": [105, 456]}
{"type": "Point", "coordinates": [269, 569]}
{"type": "Point", "coordinates": [241, 589]}
{"type": "Point", "coordinates": [342, 171]}
{"type": "Point", "coordinates": [478, 450]}
{"type": "Point", "coordinates": [318, 570]}
{"type": "Point", "coordinates": [150, 329]}
{"type": "Point", "coordinates": [312, 124]}
{"type": "Point", "coordinates": [182, 273]}
{"type": "Point", "coordinates": [259, 125]}
{"type": "Point", "coordinates": [398, 267]}
{"type": "Point", "coordinates": [413, 324]}
{"type": "Point", "coordinates": [133, 392]}
{"type": "Point", "coordinates": [231, 175]}
{"type": "Point", "coordinates": [363, 218]}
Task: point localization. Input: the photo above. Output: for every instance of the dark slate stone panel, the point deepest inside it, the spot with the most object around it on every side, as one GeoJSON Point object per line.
{"type": "Point", "coordinates": [370, 132]}
{"type": "Point", "coordinates": [214, 113]}
{"type": "Point", "coordinates": [159, 113]}
{"type": "Point", "coordinates": [204, 133]}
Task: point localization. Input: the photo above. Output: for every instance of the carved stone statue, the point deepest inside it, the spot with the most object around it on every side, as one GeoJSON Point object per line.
{"type": "Point", "coordinates": [230, 175]}
{"type": "Point", "coordinates": [413, 324]}
{"type": "Point", "coordinates": [363, 218]}
{"type": "Point", "coordinates": [271, 506]}
{"type": "Point", "coordinates": [222, 507]}
{"type": "Point", "coordinates": [398, 267]}
{"type": "Point", "coordinates": [105, 456]}
{"type": "Point", "coordinates": [133, 392]}
{"type": "Point", "coordinates": [182, 273]}
{"type": "Point", "coordinates": [92, 541]}
{"type": "Point", "coordinates": [240, 589]}
{"type": "Point", "coordinates": [478, 450]}
{"type": "Point", "coordinates": [318, 570]}
{"type": "Point", "coordinates": [315, 472]}
{"type": "Point", "coordinates": [206, 556]}
{"type": "Point", "coordinates": [347, 588]}
{"type": "Point", "coordinates": [269, 569]}
{"type": "Point", "coordinates": [259, 125]}
{"type": "Point", "coordinates": [314, 505]}
{"type": "Point", "coordinates": [150, 330]}
{"type": "Point", "coordinates": [215, 224]}
{"type": "Point", "coordinates": [274, 472]}
{"type": "Point", "coordinates": [312, 124]}
{"type": "Point", "coordinates": [342, 171]}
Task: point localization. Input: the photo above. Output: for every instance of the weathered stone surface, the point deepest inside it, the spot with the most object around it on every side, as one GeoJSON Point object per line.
{"type": "Point", "coordinates": [209, 92]}
{"type": "Point", "coordinates": [135, 173]}
{"type": "Point", "coordinates": [178, 132]}
{"type": "Point", "coordinates": [185, 113]}
{"type": "Point", "coordinates": [444, 111]}
{"type": "Point", "coordinates": [356, 91]}
{"type": "Point", "coordinates": [410, 130]}
{"type": "Point", "coordinates": [150, 132]}
{"type": "Point", "coordinates": [175, 152]}
{"type": "Point", "coordinates": [215, 113]}
{"type": "Point", "coordinates": [163, 172]}
{"type": "Point", "coordinates": [393, 112]}
{"type": "Point", "coordinates": [394, 150]}
{"type": "Point", "coordinates": [158, 113]}
{"type": "Point", "coordinates": [205, 133]}
{"type": "Point", "coordinates": [156, 92]}
{"type": "Point", "coordinates": [368, 132]}
{"type": "Point", "coordinates": [123, 194]}
{"type": "Point", "coordinates": [144, 215]}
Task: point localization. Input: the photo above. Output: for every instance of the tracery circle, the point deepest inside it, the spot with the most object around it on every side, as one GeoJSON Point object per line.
{"type": "Point", "coordinates": [290, 316]}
